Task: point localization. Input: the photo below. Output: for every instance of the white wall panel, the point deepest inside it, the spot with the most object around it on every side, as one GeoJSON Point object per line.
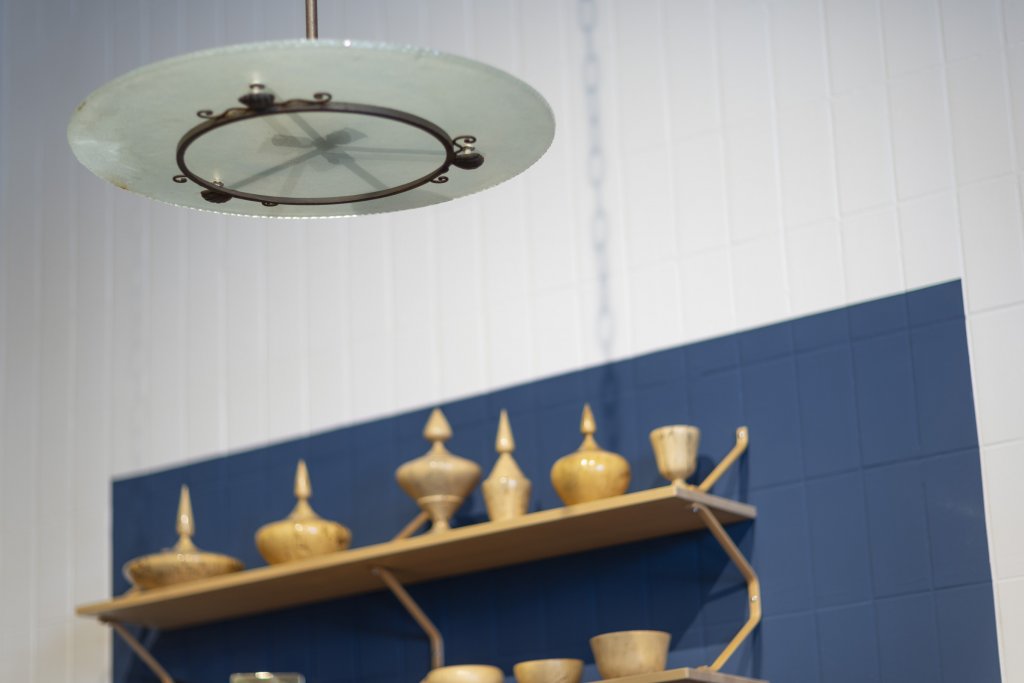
{"type": "Point", "coordinates": [808, 166]}
{"type": "Point", "coordinates": [855, 48]}
{"type": "Point", "coordinates": [929, 233]}
{"type": "Point", "coordinates": [922, 148]}
{"type": "Point", "coordinates": [871, 254]}
{"type": "Point", "coordinates": [913, 39]}
{"type": "Point", "coordinates": [815, 271]}
{"type": "Point", "coordinates": [970, 27]}
{"type": "Point", "coordinates": [733, 164]}
{"type": "Point", "coordinates": [864, 166]}
{"type": "Point", "coordinates": [993, 243]}
{"type": "Point", "coordinates": [979, 113]}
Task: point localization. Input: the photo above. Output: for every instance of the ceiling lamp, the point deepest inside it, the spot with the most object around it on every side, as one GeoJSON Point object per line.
{"type": "Point", "coordinates": [311, 128]}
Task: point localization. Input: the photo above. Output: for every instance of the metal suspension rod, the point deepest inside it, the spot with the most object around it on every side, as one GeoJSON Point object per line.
{"type": "Point", "coordinates": [311, 25]}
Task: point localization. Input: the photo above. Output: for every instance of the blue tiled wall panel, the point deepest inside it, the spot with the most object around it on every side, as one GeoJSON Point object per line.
{"type": "Point", "coordinates": [870, 540]}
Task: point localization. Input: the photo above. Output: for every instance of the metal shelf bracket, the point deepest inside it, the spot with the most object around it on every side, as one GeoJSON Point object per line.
{"type": "Point", "coordinates": [140, 650]}
{"type": "Point", "coordinates": [753, 584]}
{"type": "Point", "coordinates": [414, 610]}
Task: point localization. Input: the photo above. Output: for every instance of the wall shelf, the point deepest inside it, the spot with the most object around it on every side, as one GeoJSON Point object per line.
{"type": "Point", "coordinates": [550, 533]}
{"type": "Point", "coordinates": [684, 675]}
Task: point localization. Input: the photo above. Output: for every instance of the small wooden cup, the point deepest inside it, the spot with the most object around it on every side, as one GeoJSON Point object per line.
{"type": "Point", "coordinates": [628, 653]}
{"type": "Point", "coordinates": [549, 671]}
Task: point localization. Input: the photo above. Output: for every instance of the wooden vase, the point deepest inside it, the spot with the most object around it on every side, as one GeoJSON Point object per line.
{"type": "Point", "coordinates": [506, 489]}
{"type": "Point", "coordinates": [589, 473]}
{"type": "Point", "coordinates": [303, 533]}
{"type": "Point", "coordinates": [438, 481]}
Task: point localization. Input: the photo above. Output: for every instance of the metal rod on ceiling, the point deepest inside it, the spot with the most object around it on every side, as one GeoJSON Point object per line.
{"type": "Point", "coordinates": [311, 27]}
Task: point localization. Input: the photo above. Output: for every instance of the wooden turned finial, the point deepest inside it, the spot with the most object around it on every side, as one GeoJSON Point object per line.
{"type": "Point", "coordinates": [437, 428]}
{"type": "Point", "coordinates": [185, 526]}
{"type": "Point", "coordinates": [303, 488]}
{"type": "Point", "coordinates": [588, 426]}
{"type": "Point", "coordinates": [504, 441]}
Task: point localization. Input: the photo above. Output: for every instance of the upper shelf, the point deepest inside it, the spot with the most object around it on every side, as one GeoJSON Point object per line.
{"type": "Point", "coordinates": [685, 675]}
{"type": "Point", "coordinates": [561, 531]}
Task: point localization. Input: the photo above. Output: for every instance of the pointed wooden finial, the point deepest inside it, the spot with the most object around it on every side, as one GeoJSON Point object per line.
{"type": "Point", "coordinates": [186, 525]}
{"type": "Point", "coordinates": [303, 489]}
{"type": "Point", "coordinates": [504, 442]}
{"type": "Point", "coordinates": [437, 427]}
{"type": "Point", "coordinates": [587, 424]}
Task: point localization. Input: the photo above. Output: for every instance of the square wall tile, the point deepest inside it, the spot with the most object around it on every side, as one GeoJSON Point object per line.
{"type": "Point", "coordinates": [743, 60]}
{"type": "Point", "coordinates": [921, 137]}
{"type": "Point", "coordinates": [980, 114]}
{"type": "Point", "coordinates": [839, 541]}
{"type": "Point", "coordinates": [692, 83]}
{"type": "Point", "coordinates": [655, 306]}
{"type": "Point", "coordinates": [789, 535]}
{"type": "Point", "coordinates": [854, 44]}
{"type": "Point", "coordinates": [814, 261]}
{"type": "Point", "coordinates": [872, 255]}
{"type": "Point", "coordinates": [930, 234]}
{"type": "Point", "coordinates": [848, 644]}
{"type": "Point", "coordinates": [1004, 472]}
{"type": "Point", "coordinates": [752, 165]}
{"type": "Point", "coordinates": [708, 307]}
{"type": "Point", "coordinates": [967, 634]}
{"type": "Point", "coordinates": [699, 195]}
{"type": "Point", "coordinates": [993, 243]}
{"type": "Point", "coordinates": [770, 409]}
{"type": "Point", "coordinates": [956, 519]}
{"type": "Point", "coordinates": [798, 51]}
{"type": "Point", "coordinates": [999, 373]}
{"type": "Point", "coordinates": [970, 27]}
{"type": "Point", "coordinates": [1011, 620]}
{"type": "Point", "coordinates": [913, 36]}
{"type": "Point", "coordinates": [863, 149]}
{"type": "Point", "coordinates": [789, 645]}
{"type": "Point", "coordinates": [807, 161]}
{"type": "Point", "coordinates": [759, 281]}
{"type": "Point", "coordinates": [887, 414]}
{"type": "Point", "coordinates": [828, 411]}
{"type": "Point", "coordinates": [942, 380]}
{"type": "Point", "coordinates": [898, 528]}
{"type": "Point", "coordinates": [907, 639]}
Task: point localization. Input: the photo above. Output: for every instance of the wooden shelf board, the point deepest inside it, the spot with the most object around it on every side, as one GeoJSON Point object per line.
{"type": "Point", "coordinates": [550, 533]}
{"type": "Point", "coordinates": [685, 675]}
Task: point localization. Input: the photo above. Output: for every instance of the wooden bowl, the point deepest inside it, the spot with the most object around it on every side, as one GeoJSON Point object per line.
{"type": "Point", "coordinates": [549, 671]}
{"type": "Point", "coordinates": [466, 673]}
{"type": "Point", "coordinates": [177, 566]}
{"type": "Point", "coordinates": [628, 653]}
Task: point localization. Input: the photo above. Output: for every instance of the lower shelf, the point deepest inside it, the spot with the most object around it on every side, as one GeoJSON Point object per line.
{"type": "Point", "coordinates": [685, 675]}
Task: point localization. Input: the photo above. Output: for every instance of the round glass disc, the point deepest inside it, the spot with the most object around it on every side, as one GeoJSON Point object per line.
{"type": "Point", "coordinates": [128, 130]}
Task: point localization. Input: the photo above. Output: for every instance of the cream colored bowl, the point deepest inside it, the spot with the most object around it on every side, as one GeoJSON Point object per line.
{"type": "Point", "coordinates": [549, 671]}
{"type": "Point", "coordinates": [627, 653]}
{"type": "Point", "coordinates": [466, 673]}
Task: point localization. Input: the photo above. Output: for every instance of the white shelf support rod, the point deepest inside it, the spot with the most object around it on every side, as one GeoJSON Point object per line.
{"type": "Point", "coordinates": [414, 610]}
{"type": "Point", "coordinates": [142, 652]}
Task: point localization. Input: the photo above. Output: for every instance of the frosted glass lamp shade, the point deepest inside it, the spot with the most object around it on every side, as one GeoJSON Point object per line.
{"type": "Point", "coordinates": [330, 128]}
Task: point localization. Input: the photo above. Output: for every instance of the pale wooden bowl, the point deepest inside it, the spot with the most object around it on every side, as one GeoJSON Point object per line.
{"type": "Point", "coordinates": [466, 673]}
{"type": "Point", "coordinates": [549, 671]}
{"type": "Point", "coordinates": [628, 653]}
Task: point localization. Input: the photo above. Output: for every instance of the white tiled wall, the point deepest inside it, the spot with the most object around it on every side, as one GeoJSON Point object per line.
{"type": "Point", "coordinates": [762, 159]}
